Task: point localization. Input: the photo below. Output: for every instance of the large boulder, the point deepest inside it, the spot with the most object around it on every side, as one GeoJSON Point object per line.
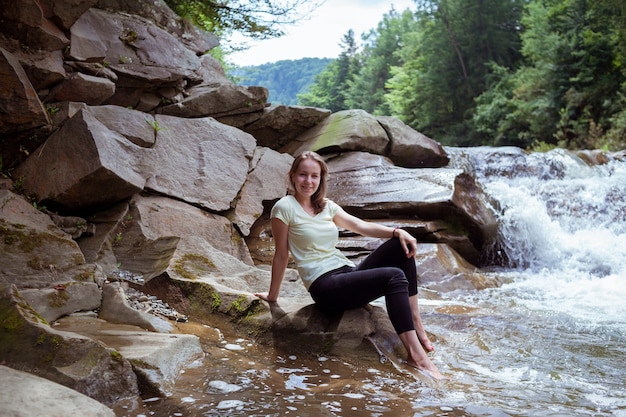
{"type": "Point", "coordinates": [20, 108]}
{"type": "Point", "coordinates": [197, 40]}
{"type": "Point", "coordinates": [359, 131]}
{"type": "Point", "coordinates": [370, 186]}
{"type": "Point", "coordinates": [83, 364]}
{"type": "Point", "coordinates": [218, 101]}
{"type": "Point", "coordinates": [25, 20]}
{"type": "Point", "coordinates": [94, 160]}
{"type": "Point", "coordinates": [35, 252]}
{"type": "Point", "coordinates": [279, 124]}
{"type": "Point", "coordinates": [410, 148]}
{"type": "Point", "coordinates": [155, 229]}
{"type": "Point", "coordinates": [145, 57]}
{"type": "Point", "coordinates": [347, 130]}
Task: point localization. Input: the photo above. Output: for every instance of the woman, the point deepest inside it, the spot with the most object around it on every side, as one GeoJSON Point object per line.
{"type": "Point", "coordinates": [306, 223]}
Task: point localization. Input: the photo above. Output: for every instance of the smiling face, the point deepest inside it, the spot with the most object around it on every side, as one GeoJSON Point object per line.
{"type": "Point", "coordinates": [306, 179]}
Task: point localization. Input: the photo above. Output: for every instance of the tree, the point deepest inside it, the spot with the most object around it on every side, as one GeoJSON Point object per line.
{"type": "Point", "coordinates": [256, 19]}
{"type": "Point", "coordinates": [330, 88]}
{"type": "Point", "coordinates": [379, 55]}
{"type": "Point", "coordinates": [447, 63]}
{"type": "Point", "coordinates": [570, 89]}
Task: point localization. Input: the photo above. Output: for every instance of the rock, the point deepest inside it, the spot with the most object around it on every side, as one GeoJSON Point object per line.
{"type": "Point", "coordinates": [263, 184]}
{"type": "Point", "coordinates": [144, 57]}
{"type": "Point", "coordinates": [25, 21]}
{"type": "Point", "coordinates": [153, 218]}
{"type": "Point", "coordinates": [20, 108]}
{"type": "Point", "coordinates": [24, 395]}
{"type": "Point", "coordinates": [63, 299]}
{"type": "Point", "coordinates": [158, 359]}
{"type": "Point", "coordinates": [83, 88]}
{"type": "Point", "coordinates": [218, 101]}
{"type": "Point", "coordinates": [279, 125]}
{"type": "Point", "coordinates": [372, 187]}
{"type": "Point", "coordinates": [66, 12]}
{"type": "Point", "coordinates": [347, 130]}
{"type": "Point", "coordinates": [43, 68]}
{"type": "Point", "coordinates": [112, 168]}
{"type": "Point", "coordinates": [35, 253]}
{"type": "Point", "coordinates": [220, 156]}
{"type": "Point", "coordinates": [105, 172]}
{"type": "Point", "coordinates": [194, 38]}
{"type": "Point", "coordinates": [116, 309]}
{"type": "Point", "coordinates": [411, 149]}
{"type": "Point", "coordinates": [441, 269]}
{"type": "Point", "coordinates": [362, 333]}
{"type": "Point", "coordinates": [77, 362]}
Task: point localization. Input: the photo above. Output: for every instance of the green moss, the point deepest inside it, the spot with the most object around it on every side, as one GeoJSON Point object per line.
{"type": "Point", "coordinates": [35, 263]}
{"type": "Point", "coordinates": [217, 301]}
{"type": "Point", "coordinates": [11, 320]}
{"type": "Point", "coordinates": [41, 339]}
{"type": "Point", "coordinates": [58, 298]}
{"type": "Point", "coordinates": [190, 264]}
{"type": "Point", "coordinates": [84, 276]}
{"type": "Point", "coordinates": [117, 357]}
{"type": "Point", "coordinates": [238, 304]}
{"type": "Point", "coordinates": [13, 235]}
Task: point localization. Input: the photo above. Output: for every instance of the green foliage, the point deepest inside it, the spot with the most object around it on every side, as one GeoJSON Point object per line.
{"type": "Point", "coordinates": [568, 90]}
{"type": "Point", "coordinates": [379, 55]}
{"type": "Point", "coordinates": [331, 86]}
{"type": "Point", "coordinates": [445, 64]}
{"type": "Point", "coordinates": [256, 19]}
{"type": "Point", "coordinates": [528, 73]}
{"type": "Point", "coordinates": [284, 79]}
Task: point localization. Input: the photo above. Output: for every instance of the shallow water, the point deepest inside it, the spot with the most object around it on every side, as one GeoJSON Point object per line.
{"type": "Point", "coordinates": [549, 342]}
{"type": "Point", "coordinates": [501, 359]}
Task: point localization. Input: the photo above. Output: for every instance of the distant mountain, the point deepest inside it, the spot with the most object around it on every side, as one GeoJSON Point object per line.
{"type": "Point", "coordinates": [284, 79]}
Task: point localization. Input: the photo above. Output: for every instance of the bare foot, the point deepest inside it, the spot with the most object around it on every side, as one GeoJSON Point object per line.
{"type": "Point", "coordinates": [428, 369]}
{"type": "Point", "coordinates": [425, 341]}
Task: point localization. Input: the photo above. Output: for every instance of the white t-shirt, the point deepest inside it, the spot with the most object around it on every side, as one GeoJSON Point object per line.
{"type": "Point", "coordinates": [312, 239]}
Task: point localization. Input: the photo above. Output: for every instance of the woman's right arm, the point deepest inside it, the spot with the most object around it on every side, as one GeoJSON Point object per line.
{"type": "Point", "coordinates": [281, 258]}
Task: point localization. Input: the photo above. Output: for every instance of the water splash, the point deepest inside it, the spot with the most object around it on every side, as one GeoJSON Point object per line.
{"type": "Point", "coordinates": [562, 229]}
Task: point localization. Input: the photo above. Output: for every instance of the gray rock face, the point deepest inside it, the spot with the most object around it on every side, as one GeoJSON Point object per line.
{"type": "Point", "coordinates": [132, 46]}
{"type": "Point", "coordinates": [358, 131]}
{"type": "Point", "coordinates": [20, 388]}
{"type": "Point", "coordinates": [21, 109]}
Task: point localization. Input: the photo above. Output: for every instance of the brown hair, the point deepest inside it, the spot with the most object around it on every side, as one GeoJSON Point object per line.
{"type": "Point", "coordinates": [318, 199]}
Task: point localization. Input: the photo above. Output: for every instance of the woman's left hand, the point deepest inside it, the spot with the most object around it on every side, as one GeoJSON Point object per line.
{"type": "Point", "coordinates": [408, 242]}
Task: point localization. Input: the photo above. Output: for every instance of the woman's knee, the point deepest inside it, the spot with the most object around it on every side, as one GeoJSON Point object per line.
{"type": "Point", "coordinates": [397, 277]}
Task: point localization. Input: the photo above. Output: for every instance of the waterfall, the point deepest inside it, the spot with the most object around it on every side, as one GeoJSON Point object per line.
{"type": "Point", "coordinates": [562, 227]}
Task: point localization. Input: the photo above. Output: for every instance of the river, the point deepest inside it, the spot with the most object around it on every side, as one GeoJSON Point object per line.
{"type": "Point", "coordinates": [549, 342]}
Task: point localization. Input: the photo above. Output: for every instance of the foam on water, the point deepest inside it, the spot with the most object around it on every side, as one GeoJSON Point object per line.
{"type": "Point", "coordinates": [564, 233]}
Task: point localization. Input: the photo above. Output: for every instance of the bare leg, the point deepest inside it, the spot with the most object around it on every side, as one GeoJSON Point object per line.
{"type": "Point", "coordinates": [419, 327]}
{"type": "Point", "coordinates": [417, 357]}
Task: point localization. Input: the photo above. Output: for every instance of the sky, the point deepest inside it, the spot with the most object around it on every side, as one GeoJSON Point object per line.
{"type": "Point", "coordinates": [319, 35]}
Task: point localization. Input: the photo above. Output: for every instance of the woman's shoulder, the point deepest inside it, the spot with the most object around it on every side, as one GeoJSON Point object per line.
{"type": "Point", "coordinates": [287, 200]}
{"type": "Point", "coordinates": [331, 204]}
{"type": "Point", "coordinates": [284, 204]}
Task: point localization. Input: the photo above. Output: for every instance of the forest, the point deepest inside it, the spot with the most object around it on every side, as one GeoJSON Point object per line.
{"type": "Point", "coordinates": [530, 73]}
{"type": "Point", "coordinates": [285, 80]}
{"type": "Point", "coordinates": [536, 74]}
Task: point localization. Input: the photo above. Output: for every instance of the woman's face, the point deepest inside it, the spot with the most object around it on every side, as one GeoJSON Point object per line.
{"type": "Point", "coordinates": [306, 179]}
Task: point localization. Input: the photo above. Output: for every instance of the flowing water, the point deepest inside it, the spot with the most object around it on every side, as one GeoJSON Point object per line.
{"type": "Point", "coordinates": [549, 342]}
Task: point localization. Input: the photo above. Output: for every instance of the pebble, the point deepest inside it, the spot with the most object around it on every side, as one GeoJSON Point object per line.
{"type": "Point", "coordinates": [145, 302]}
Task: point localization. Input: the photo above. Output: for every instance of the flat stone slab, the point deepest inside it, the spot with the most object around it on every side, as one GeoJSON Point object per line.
{"type": "Point", "coordinates": [160, 357]}
{"type": "Point", "coordinates": [24, 395]}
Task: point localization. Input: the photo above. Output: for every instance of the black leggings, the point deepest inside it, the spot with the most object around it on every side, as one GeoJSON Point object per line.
{"type": "Point", "coordinates": [386, 271]}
